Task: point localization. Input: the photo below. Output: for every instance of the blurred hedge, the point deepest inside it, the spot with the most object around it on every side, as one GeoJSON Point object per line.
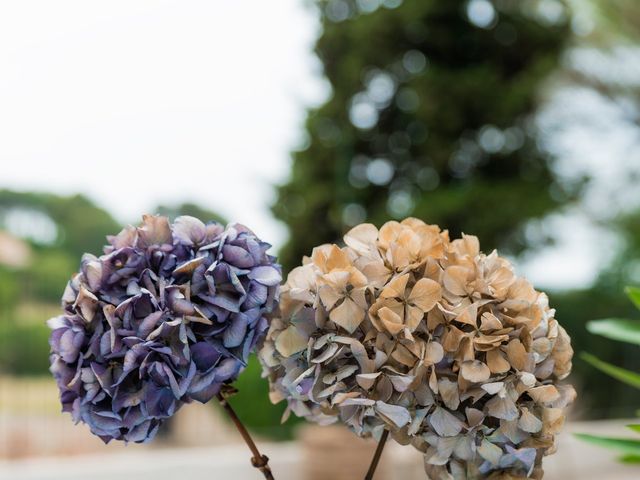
{"type": "Point", "coordinates": [24, 348]}
{"type": "Point", "coordinates": [600, 396]}
{"type": "Point", "coordinates": [9, 291]}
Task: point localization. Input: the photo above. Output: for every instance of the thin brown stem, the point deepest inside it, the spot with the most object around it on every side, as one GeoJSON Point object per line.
{"type": "Point", "coordinates": [259, 461]}
{"type": "Point", "coordinates": [377, 455]}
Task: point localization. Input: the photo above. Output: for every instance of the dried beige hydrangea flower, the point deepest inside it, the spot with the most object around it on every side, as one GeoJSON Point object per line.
{"type": "Point", "coordinates": [405, 330]}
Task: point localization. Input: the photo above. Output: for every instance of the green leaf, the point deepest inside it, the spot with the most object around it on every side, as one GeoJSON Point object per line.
{"type": "Point", "coordinates": [626, 376]}
{"type": "Point", "coordinates": [616, 329]}
{"type": "Point", "coordinates": [634, 295]}
{"type": "Point", "coordinates": [624, 445]}
{"type": "Point", "coordinates": [634, 427]}
{"type": "Point", "coordinates": [630, 459]}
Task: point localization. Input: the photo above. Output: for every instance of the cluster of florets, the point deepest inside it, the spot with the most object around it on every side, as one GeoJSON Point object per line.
{"type": "Point", "coordinates": [167, 315]}
{"type": "Point", "coordinates": [405, 330]}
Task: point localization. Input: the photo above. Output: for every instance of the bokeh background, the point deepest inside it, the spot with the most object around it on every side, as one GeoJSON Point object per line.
{"type": "Point", "coordinates": [515, 120]}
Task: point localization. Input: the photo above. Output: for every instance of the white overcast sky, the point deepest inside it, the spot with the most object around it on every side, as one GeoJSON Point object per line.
{"type": "Point", "coordinates": [137, 102]}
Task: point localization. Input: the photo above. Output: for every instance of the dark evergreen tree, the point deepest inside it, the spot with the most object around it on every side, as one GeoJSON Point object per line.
{"type": "Point", "coordinates": [429, 116]}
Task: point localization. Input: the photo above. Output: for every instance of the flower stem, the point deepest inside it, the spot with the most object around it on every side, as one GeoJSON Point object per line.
{"type": "Point", "coordinates": [377, 455]}
{"type": "Point", "coordinates": [259, 461]}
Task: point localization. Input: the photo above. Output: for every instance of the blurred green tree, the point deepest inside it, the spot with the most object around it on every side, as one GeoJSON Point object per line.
{"type": "Point", "coordinates": [24, 348]}
{"type": "Point", "coordinates": [188, 208]}
{"type": "Point", "coordinates": [9, 291]}
{"type": "Point", "coordinates": [616, 20]}
{"type": "Point", "coordinates": [59, 229]}
{"type": "Point", "coordinates": [79, 225]}
{"type": "Point", "coordinates": [610, 32]}
{"type": "Point", "coordinates": [430, 116]}
{"type": "Point", "coordinates": [48, 274]}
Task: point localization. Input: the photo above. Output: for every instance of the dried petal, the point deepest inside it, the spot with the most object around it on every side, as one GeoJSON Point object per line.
{"type": "Point", "coordinates": [529, 422]}
{"type": "Point", "coordinates": [444, 423]}
{"type": "Point", "coordinates": [348, 315]}
{"type": "Point", "coordinates": [425, 294]}
{"type": "Point", "coordinates": [475, 371]}
{"type": "Point", "coordinates": [291, 341]}
{"type": "Point", "coordinates": [496, 362]}
{"type": "Point", "coordinates": [398, 415]}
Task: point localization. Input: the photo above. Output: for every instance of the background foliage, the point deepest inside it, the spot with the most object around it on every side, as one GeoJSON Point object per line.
{"type": "Point", "coordinates": [621, 330]}
{"type": "Point", "coordinates": [429, 115]}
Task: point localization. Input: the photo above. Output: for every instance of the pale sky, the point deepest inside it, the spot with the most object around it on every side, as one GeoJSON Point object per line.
{"type": "Point", "coordinates": [138, 102]}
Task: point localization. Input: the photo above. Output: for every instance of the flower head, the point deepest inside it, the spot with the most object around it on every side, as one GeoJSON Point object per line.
{"type": "Point", "coordinates": [166, 316]}
{"type": "Point", "coordinates": [405, 330]}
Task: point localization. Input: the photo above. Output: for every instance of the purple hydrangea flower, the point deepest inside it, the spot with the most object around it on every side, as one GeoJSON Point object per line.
{"type": "Point", "coordinates": [166, 316]}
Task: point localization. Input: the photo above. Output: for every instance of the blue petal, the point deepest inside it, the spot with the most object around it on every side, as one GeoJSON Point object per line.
{"type": "Point", "coordinates": [204, 356]}
{"type": "Point", "coordinates": [235, 332]}
{"type": "Point", "coordinates": [237, 256]}
{"type": "Point", "coordinates": [266, 275]}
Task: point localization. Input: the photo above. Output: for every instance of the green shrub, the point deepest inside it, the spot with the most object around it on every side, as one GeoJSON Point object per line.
{"type": "Point", "coordinates": [627, 331]}
{"type": "Point", "coordinates": [9, 291]}
{"type": "Point", "coordinates": [48, 274]}
{"type": "Point", "coordinates": [24, 348]}
{"type": "Point", "coordinates": [600, 395]}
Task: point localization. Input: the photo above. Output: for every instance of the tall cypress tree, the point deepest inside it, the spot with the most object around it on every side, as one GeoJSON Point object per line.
{"type": "Point", "coordinates": [429, 116]}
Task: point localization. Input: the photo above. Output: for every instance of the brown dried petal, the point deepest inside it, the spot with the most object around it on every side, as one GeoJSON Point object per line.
{"type": "Point", "coordinates": [396, 287]}
{"type": "Point", "coordinates": [475, 371]}
{"type": "Point", "coordinates": [502, 407]}
{"type": "Point", "coordinates": [449, 392]}
{"type": "Point", "coordinates": [367, 380]}
{"type": "Point", "coordinates": [455, 280]}
{"type": "Point", "coordinates": [529, 422]}
{"type": "Point", "coordinates": [474, 416]}
{"type": "Point", "coordinates": [552, 419]}
{"type": "Point", "coordinates": [413, 317]}
{"type": "Point", "coordinates": [348, 315]}
{"type": "Point", "coordinates": [362, 239]}
{"type": "Point", "coordinates": [425, 294]}
{"type": "Point", "coordinates": [329, 296]}
{"type": "Point", "coordinates": [544, 394]}
{"type": "Point", "coordinates": [452, 338]}
{"type": "Point", "coordinates": [489, 321]}
{"type": "Point", "coordinates": [485, 343]}
{"type": "Point", "coordinates": [469, 315]}
{"type": "Point", "coordinates": [329, 352]}
{"type": "Point", "coordinates": [496, 362]}
{"type": "Point", "coordinates": [433, 353]}
{"type": "Point", "coordinates": [401, 382]}
{"type": "Point", "coordinates": [493, 388]}
{"type": "Point", "coordinates": [517, 354]}
{"type": "Point", "coordinates": [404, 356]}
{"type": "Point", "coordinates": [291, 341]}
{"type": "Point", "coordinates": [338, 398]}
{"type": "Point", "coordinates": [391, 320]}
{"type": "Point", "coordinates": [87, 304]}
